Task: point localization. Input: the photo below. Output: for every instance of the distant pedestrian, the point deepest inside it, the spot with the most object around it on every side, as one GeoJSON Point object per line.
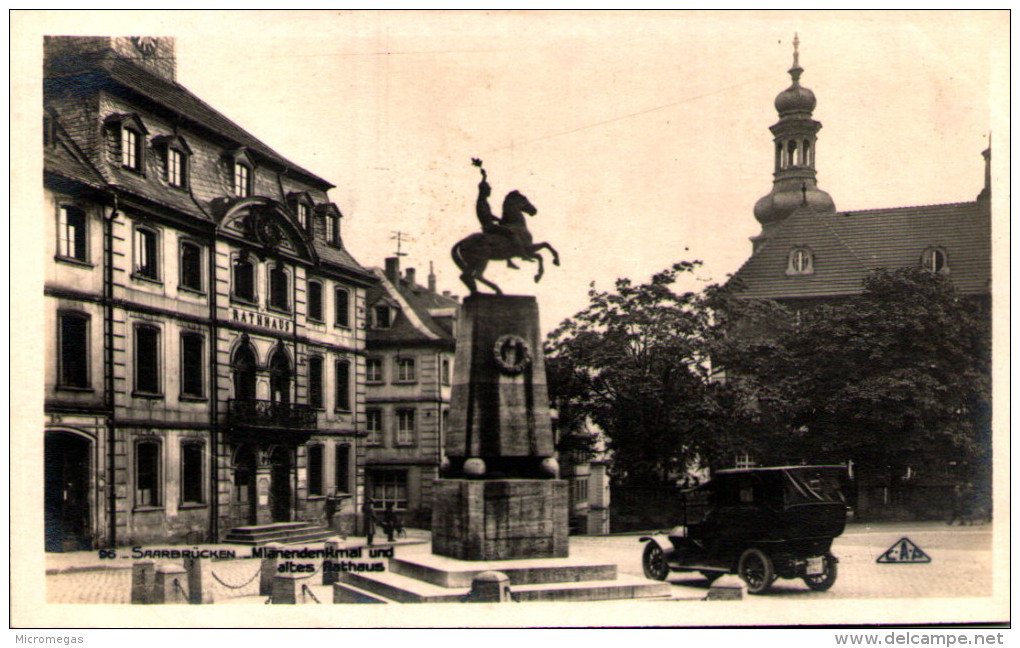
{"type": "Point", "coordinates": [329, 509]}
{"type": "Point", "coordinates": [391, 523]}
{"type": "Point", "coordinates": [368, 514]}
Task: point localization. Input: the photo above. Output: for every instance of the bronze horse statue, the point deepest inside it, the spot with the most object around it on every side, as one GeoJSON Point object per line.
{"type": "Point", "coordinates": [501, 239]}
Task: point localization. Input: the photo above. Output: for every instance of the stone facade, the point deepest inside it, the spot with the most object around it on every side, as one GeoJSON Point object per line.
{"type": "Point", "coordinates": [186, 385]}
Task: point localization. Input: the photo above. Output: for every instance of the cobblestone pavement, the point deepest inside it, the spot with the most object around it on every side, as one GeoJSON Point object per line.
{"type": "Point", "coordinates": [961, 567]}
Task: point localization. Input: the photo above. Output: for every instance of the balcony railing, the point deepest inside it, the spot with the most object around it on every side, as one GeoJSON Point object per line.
{"type": "Point", "coordinates": [269, 414]}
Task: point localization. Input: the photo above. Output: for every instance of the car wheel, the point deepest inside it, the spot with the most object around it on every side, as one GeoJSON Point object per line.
{"type": "Point", "coordinates": [755, 569]}
{"type": "Point", "coordinates": [826, 579]}
{"type": "Point", "coordinates": [654, 562]}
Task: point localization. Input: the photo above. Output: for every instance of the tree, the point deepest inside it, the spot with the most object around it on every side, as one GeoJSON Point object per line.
{"type": "Point", "coordinates": [634, 363]}
{"type": "Point", "coordinates": [899, 376]}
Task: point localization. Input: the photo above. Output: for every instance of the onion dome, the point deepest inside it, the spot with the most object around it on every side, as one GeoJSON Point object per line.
{"type": "Point", "coordinates": [796, 98]}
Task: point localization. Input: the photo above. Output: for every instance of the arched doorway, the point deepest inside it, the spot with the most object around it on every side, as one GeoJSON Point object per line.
{"type": "Point", "coordinates": [280, 487]}
{"type": "Point", "coordinates": [245, 366]}
{"type": "Point", "coordinates": [245, 502]}
{"type": "Point", "coordinates": [68, 514]}
{"type": "Point", "coordinates": [279, 377]}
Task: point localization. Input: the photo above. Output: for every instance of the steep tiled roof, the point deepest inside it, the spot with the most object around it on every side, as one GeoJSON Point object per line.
{"type": "Point", "coordinates": [416, 327]}
{"type": "Point", "coordinates": [62, 160]}
{"type": "Point", "coordinates": [848, 245]}
{"type": "Point", "coordinates": [180, 99]}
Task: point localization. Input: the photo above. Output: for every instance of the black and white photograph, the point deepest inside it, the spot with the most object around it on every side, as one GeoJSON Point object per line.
{"type": "Point", "coordinates": [511, 319]}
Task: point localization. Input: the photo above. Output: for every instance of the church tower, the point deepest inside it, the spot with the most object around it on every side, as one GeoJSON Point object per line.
{"type": "Point", "coordinates": [795, 134]}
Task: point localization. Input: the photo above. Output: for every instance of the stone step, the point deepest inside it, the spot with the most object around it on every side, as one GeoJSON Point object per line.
{"type": "Point", "coordinates": [283, 533]}
{"type": "Point", "coordinates": [450, 572]}
{"type": "Point", "coordinates": [402, 589]}
{"type": "Point", "coordinates": [405, 589]}
{"type": "Point", "coordinates": [347, 593]}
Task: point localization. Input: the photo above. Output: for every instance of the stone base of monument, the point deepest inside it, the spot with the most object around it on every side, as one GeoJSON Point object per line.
{"type": "Point", "coordinates": [415, 575]}
{"type": "Point", "coordinates": [500, 519]}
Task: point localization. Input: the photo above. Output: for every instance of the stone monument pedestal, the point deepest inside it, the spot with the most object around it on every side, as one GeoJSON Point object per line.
{"type": "Point", "coordinates": [500, 519]}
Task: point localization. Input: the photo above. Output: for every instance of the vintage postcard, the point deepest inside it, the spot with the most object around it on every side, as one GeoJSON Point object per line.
{"type": "Point", "coordinates": [426, 319]}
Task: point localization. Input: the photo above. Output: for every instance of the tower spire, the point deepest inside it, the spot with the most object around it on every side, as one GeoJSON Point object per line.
{"type": "Point", "coordinates": [796, 70]}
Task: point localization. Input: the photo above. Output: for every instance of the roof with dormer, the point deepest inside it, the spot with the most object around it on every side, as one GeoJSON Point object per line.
{"type": "Point", "coordinates": [419, 315]}
{"type": "Point", "coordinates": [846, 246]}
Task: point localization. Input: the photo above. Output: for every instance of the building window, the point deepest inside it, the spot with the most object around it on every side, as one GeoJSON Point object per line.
{"type": "Point", "coordinates": [315, 382]}
{"type": "Point", "coordinates": [176, 168]}
{"type": "Point", "coordinates": [405, 427]}
{"type": "Point", "coordinates": [147, 492]}
{"type": "Point", "coordinates": [302, 214]}
{"type": "Point", "coordinates": [191, 266]}
{"type": "Point", "coordinates": [279, 290]}
{"type": "Point", "coordinates": [73, 234]}
{"type": "Point", "coordinates": [445, 371]}
{"type": "Point", "coordinates": [374, 370]}
{"type": "Point", "coordinates": [244, 280]}
{"type": "Point", "coordinates": [405, 370]}
{"type": "Point", "coordinates": [343, 385]}
{"type": "Point", "coordinates": [192, 361]}
{"type": "Point", "coordinates": [373, 425]}
{"type": "Point", "coordinates": [389, 487]}
{"type": "Point", "coordinates": [315, 470]}
{"type": "Point", "coordinates": [191, 472]}
{"type": "Point", "coordinates": [343, 308]}
{"type": "Point", "coordinates": [315, 301]}
{"type": "Point", "coordinates": [147, 360]}
{"type": "Point", "coordinates": [382, 317]}
{"type": "Point", "coordinates": [934, 260]}
{"type": "Point", "coordinates": [801, 262]}
{"type": "Point", "coordinates": [343, 468]}
{"type": "Point", "coordinates": [74, 350]}
{"type": "Point", "coordinates": [242, 180]}
{"type": "Point", "coordinates": [330, 229]}
{"type": "Point", "coordinates": [146, 253]}
{"type": "Point", "coordinates": [131, 149]}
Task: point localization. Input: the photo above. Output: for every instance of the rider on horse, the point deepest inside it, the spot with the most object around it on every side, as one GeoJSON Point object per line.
{"type": "Point", "coordinates": [490, 223]}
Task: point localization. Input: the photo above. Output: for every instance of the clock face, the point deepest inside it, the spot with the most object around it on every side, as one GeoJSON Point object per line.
{"type": "Point", "coordinates": [144, 44]}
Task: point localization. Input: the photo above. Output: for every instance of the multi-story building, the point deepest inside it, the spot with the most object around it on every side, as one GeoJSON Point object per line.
{"type": "Point", "coordinates": [410, 352]}
{"type": "Point", "coordinates": [808, 253]}
{"type": "Point", "coordinates": [206, 362]}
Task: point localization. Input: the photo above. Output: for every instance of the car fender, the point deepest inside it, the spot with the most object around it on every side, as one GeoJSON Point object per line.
{"type": "Point", "coordinates": [661, 540]}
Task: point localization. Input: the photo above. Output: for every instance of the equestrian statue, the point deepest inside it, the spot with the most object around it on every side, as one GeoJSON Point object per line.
{"type": "Point", "coordinates": [501, 239]}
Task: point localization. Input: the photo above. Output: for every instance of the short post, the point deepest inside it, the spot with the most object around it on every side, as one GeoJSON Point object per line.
{"type": "Point", "coordinates": [490, 587]}
{"type": "Point", "coordinates": [727, 588]}
{"type": "Point", "coordinates": [142, 580]}
{"type": "Point", "coordinates": [170, 585]}
{"type": "Point", "coordinates": [268, 569]}
{"type": "Point", "coordinates": [329, 575]}
{"type": "Point", "coordinates": [285, 588]}
{"type": "Point", "coordinates": [194, 568]}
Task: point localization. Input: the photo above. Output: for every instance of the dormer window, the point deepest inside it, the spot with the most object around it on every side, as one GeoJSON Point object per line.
{"type": "Point", "coordinates": [333, 216]}
{"type": "Point", "coordinates": [934, 260]}
{"type": "Point", "coordinates": [130, 133]}
{"type": "Point", "coordinates": [242, 180]}
{"type": "Point", "coordinates": [301, 204]}
{"type": "Point", "coordinates": [801, 262]}
{"type": "Point", "coordinates": [383, 317]}
{"type": "Point", "coordinates": [241, 167]}
{"type": "Point", "coordinates": [175, 159]}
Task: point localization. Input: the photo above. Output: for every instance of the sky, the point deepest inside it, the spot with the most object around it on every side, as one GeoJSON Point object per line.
{"type": "Point", "coordinates": [642, 138]}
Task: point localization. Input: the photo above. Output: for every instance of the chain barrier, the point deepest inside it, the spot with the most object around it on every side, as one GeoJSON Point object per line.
{"type": "Point", "coordinates": [305, 588]}
{"type": "Point", "coordinates": [246, 584]}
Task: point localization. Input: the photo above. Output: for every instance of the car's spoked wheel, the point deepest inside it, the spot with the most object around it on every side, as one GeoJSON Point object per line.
{"type": "Point", "coordinates": [654, 562]}
{"type": "Point", "coordinates": [826, 579]}
{"type": "Point", "coordinates": [755, 569]}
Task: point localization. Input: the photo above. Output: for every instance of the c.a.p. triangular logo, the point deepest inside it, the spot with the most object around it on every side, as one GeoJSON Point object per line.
{"type": "Point", "coordinates": [904, 551]}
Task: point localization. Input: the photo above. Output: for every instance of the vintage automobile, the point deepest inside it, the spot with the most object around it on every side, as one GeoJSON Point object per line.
{"type": "Point", "coordinates": [758, 523]}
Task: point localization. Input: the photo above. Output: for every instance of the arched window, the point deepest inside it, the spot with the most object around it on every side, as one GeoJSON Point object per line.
{"type": "Point", "coordinates": [779, 156]}
{"type": "Point", "coordinates": [807, 153]}
{"type": "Point", "coordinates": [245, 366]}
{"type": "Point", "coordinates": [934, 260]}
{"type": "Point", "coordinates": [801, 261]}
{"type": "Point", "coordinates": [279, 377]}
{"type": "Point", "coordinates": [792, 153]}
